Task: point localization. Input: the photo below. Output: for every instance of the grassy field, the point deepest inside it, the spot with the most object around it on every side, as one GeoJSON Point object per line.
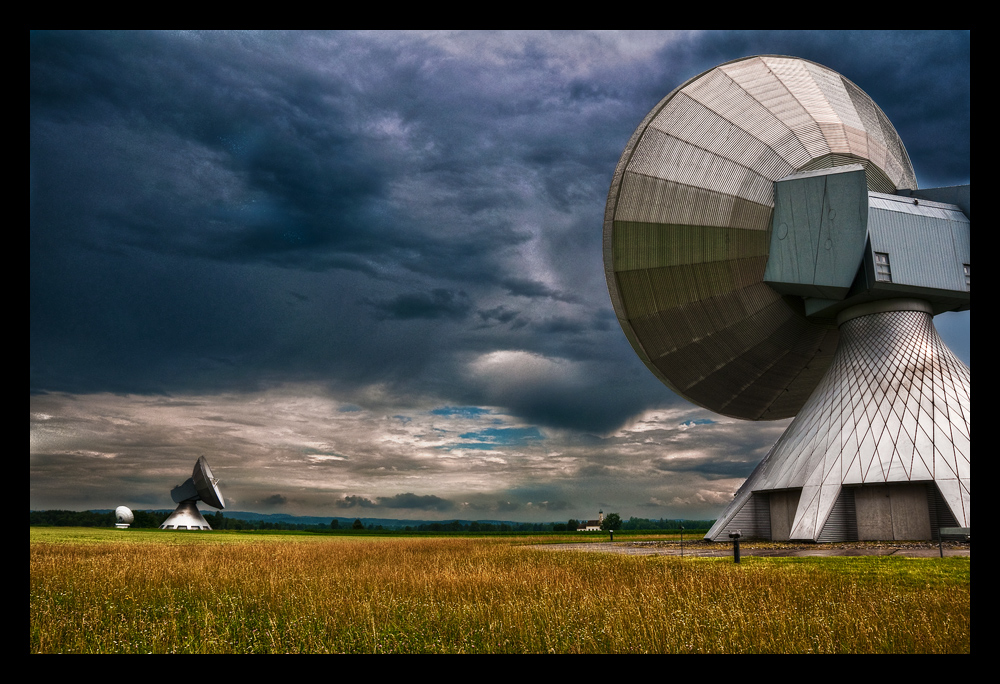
{"type": "Point", "coordinates": [106, 591]}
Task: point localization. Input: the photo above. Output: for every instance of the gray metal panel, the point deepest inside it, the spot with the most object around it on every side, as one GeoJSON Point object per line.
{"type": "Point", "coordinates": [690, 300]}
{"type": "Point", "coordinates": [940, 514]}
{"type": "Point", "coordinates": [897, 511]}
{"type": "Point", "coordinates": [752, 518]}
{"type": "Point", "coordinates": [704, 128]}
{"type": "Point", "coordinates": [794, 99]}
{"type": "Point", "coordinates": [877, 179]}
{"type": "Point", "coordinates": [959, 195]}
{"type": "Point", "coordinates": [644, 199]}
{"type": "Point", "coordinates": [185, 491]}
{"type": "Point", "coordinates": [733, 518]}
{"type": "Point", "coordinates": [842, 525]}
{"type": "Point", "coordinates": [669, 158]}
{"type": "Point", "coordinates": [783, 505]}
{"type": "Point", "coordinates": [758, 103]}
{"type": "Point", "coordinates": [819, 232]}
{"type": "Point", "coordinates": [927, 242]}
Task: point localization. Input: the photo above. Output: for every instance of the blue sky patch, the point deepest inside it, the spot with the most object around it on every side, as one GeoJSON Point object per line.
{"type": "Point", "coordinates": [700, 421]}
{"type": "Point", "coordinates": [488, 439]}
{"type": "Point", "coordinates": [464, 411]}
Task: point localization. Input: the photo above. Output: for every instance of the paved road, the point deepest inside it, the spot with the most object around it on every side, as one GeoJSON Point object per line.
{"type": "Point", "coordinates": [670, 548]}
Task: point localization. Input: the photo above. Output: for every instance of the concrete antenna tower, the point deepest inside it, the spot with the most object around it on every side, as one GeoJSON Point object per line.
{"type": "Point", "coordinates": [201, 486]}
{"type": "Point", "coordinates": [768, 255]}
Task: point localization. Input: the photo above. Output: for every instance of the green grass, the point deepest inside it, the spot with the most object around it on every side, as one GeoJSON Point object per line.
{"type": "Point", "coordinates": [106, 591]}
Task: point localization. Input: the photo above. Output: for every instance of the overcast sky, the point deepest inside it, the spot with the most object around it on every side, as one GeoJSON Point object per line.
{"type": "Point", "coordinates": [361, 272]}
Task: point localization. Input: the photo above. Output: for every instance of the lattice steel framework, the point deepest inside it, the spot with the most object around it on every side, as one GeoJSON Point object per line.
{"type": "Point", "coordinates": [893, 407]}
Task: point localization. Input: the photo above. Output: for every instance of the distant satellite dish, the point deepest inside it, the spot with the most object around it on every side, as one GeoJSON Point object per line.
{"type": "Point", "coordinates": [123, 517]}
{"type": "Point", "coordinates": [201, 486]}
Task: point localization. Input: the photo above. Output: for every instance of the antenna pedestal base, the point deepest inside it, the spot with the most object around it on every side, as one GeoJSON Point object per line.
{"type": "Point", "coordinates": [882, 448]}
{"type": "Point", "coordinates": [186, 517]}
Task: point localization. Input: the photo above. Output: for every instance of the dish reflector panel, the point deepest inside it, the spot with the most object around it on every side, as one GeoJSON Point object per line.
{"type": "Point", "coordinates": [207, 485]}
{"type": "Point", "coordinates": [687, 228]}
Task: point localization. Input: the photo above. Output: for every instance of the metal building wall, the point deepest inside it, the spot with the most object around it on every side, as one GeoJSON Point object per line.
{"type": "Point", "coordinates": [926, 242]}
{"type": "Point", "coordinates": [842, 525]}
{"type": "Point", "coordinates": [752, 519]}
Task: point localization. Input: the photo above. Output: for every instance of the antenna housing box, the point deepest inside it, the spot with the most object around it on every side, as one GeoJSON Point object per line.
{"type": "Point", "coordinates": [835, 244]}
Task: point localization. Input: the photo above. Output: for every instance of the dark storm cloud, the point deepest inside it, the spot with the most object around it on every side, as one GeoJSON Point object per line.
{"type": "Point", "coordinates": [439, 303]}
{"type": "Point", "coordinates": [184, 186]}
{"type": "Point", "coordinates": [170, 149]}
{"type": "Point", "coordinates": [553, 506]}
{"type": "Point", "coordinates": [711, 466]}
{"type": "Point", "coordinates": [573, 406]}
{"type": "Point", "coordinates": [594, 470]}
{"type": "Point", "coordinates": [352, 501]}
{"type": "Point", "coordinates": [500, 314]}
{"type": "Point", "coordinates": [531, 288]}
{"type": "Point", "coordinates": [409, 500]}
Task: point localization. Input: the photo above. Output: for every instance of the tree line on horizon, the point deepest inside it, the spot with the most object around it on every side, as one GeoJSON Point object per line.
{"type": "Point", "coordinates": [153, 520]}
{"type": "Point", "coordinates": [61, 518]}
{"type": "Point", "coordinates": [218, 521]}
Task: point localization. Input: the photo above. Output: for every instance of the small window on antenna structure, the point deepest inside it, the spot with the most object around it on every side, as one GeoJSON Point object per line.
{"type": "Point", "coordinates": [883, 273]}
{"type": "Point", "coordinates": [968, 281]}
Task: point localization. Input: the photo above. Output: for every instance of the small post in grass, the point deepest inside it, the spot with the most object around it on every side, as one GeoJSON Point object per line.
{"type": "Point", "coordinates": [735, 536]}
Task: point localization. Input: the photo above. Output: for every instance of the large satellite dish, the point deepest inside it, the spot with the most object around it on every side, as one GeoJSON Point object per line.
{"type": "Point", "coordinates": [753, 214]}
{"type": "Point", "coordinates": [201, 486]}
{"type": "Point", "coordinates": [688, 226]}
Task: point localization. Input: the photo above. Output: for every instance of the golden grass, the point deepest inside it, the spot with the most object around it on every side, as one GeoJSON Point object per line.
{"type": "Point", "coordinates": [139, 592]}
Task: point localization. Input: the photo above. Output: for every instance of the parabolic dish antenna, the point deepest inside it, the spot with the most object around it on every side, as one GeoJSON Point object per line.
{"type": "Point", "coordinates": [123, 517]}
{"type": "Point", "coordinates": [756, 211]}
{"type": "Point", "coordinates": [207, 485]}
{"type": "Point", "coordinates": [688, 226]}
{"type": "Point", "coordinates": [201, 486]}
